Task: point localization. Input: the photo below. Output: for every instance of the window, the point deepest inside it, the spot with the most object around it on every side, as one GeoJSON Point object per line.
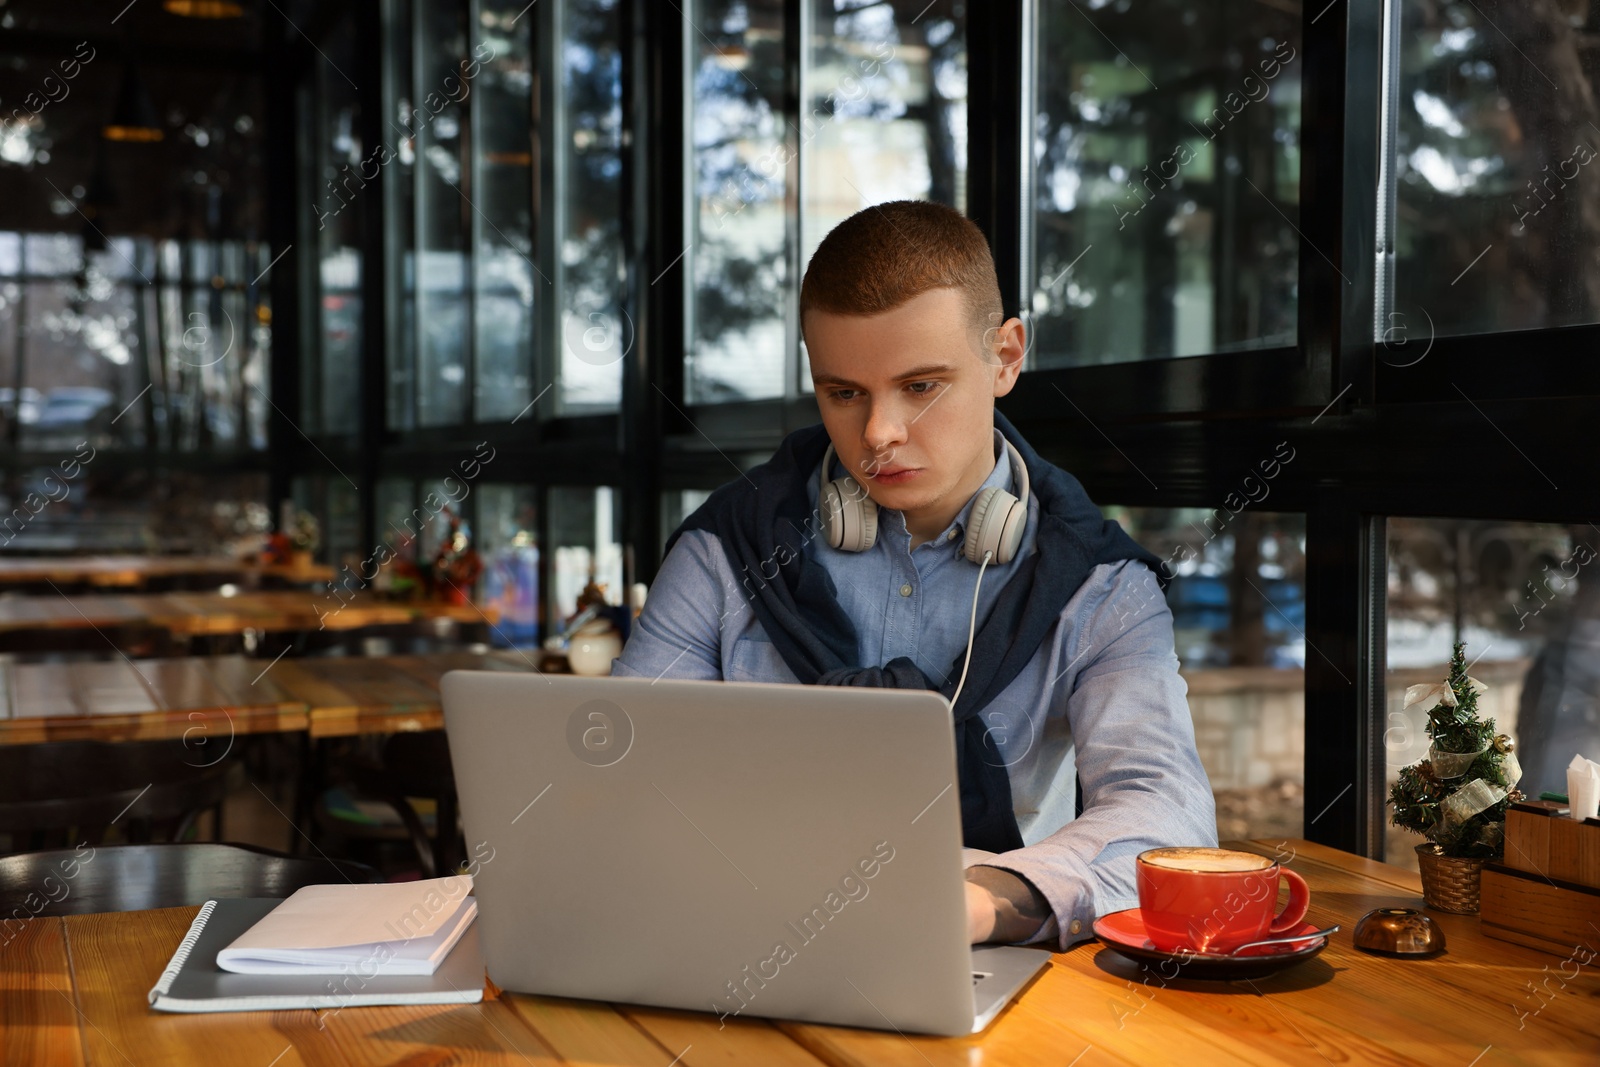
{"type": "Point", "coordinates": [585, 529]}
{"type": "Point", "coordinates": [486, 299]}
{"type": "Point", "coordinates": [1495, 206]}
{"type": "Point", "coordinates": [739, 256]}
{"type": "Point", "coordinates": [884, 117]}
{"type": "Point", "coordinates": [886, 110]}
{"type": "Point", "coordinates": [138, 342]}
{"type": "Point", "coordinates": [1525, 599]}
{"type": "Point", "coordinates": [507, 291]}
{"type": "Point", "coordinates": [595, 332]}
{"type": "Point", "coordinates": [330, 114]}
{"type": "Point", "coordinates": [443, 228]}
{"type": "Point", "coordinates": [1166, 173]}
{"type": "Point", "coordinates": [1238, 608]}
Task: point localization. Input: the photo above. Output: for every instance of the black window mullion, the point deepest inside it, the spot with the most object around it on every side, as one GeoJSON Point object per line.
{"type": "Point", "coordinates": [1000, 160]}
{"type": "Point", "coordinates": [1339, 730]}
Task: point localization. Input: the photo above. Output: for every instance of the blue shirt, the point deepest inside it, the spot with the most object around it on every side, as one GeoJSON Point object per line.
{"type": "Point", "coordinates": [1102, 697]}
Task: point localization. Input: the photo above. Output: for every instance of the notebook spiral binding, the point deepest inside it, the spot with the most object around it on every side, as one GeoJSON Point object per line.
{"type": "Point", "coordinates": [163, 984]}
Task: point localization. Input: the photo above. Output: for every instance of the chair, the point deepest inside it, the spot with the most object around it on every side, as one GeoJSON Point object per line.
{"type": "Point", "coordinates": [49, 789]}
{"type": "Point", "coordinates": [412, 765]}
{"type": "Point", "coordinates": [135, 877]}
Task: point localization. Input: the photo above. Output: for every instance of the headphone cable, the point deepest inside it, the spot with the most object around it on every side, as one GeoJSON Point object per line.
{"type": "Point", "coordinates": [972, 627]}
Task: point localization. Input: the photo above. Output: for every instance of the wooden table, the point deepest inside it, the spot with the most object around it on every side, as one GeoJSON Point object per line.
{"type": "Point", "coordinates": [75, 993]}
{"type": "Point", "coordinates": [204, 697]}
{"type": "Point", "coordinates": [201, 614]}
{"type": "Point", "coordinates": [115, 571]}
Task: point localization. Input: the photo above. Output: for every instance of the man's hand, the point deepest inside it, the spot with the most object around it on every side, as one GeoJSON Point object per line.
{"type": "Point", "coordinates": [1002, 906]}
{"type": "Point", "coordinates": [982, 909]}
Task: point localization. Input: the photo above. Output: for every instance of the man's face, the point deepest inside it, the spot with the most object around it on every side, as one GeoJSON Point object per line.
{"type": "Point", "coordinates": [908, 396]}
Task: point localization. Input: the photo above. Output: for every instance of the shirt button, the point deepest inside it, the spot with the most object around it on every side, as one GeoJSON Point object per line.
{"type": "Point", "coordinates": [951, 536]}
{"type": "Point", "coordinates": [1074, 926]}
{"type": "Point", "coordinates": [905, 590]}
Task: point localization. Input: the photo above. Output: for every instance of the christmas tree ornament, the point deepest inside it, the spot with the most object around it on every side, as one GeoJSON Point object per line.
{"type": "Point", "coordinates": [1457, 795]}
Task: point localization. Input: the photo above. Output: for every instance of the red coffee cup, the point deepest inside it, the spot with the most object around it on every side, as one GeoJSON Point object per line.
{"type": "Point", "coordinates": [1215, 899]}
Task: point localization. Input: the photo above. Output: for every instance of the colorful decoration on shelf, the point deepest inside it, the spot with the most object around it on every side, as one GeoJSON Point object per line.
{"type": "Point", "coordinates": [306, 534]}
{"type": "Point", "coordinates": [278, 550]}
{"type": "Point", "coordinates": [295, 541]}
{"type": "Point", "coordinates": [457, 564]}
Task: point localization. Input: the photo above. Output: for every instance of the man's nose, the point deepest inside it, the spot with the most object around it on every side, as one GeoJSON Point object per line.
{"type": "Point", "coordinates": [885, 429]}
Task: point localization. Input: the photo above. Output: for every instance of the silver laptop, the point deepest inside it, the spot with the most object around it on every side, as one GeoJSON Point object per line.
{"type": "Point", "coordinates": [769, 850]}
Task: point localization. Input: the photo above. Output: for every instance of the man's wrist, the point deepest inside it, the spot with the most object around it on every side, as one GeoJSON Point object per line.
{"type": "Point", "coordinates": [1020, 909]}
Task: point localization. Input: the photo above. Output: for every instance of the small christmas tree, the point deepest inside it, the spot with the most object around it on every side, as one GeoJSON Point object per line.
{"type": "Point", "coordinates": [1458, 796]}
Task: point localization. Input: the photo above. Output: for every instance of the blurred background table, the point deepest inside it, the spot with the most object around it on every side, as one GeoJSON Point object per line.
{"type": "Point", "coordinates": [218, 696]}
{"type": "Point", "coordinates": [59, 621]}
{"type": "Point", "coordinates": [123, 571]}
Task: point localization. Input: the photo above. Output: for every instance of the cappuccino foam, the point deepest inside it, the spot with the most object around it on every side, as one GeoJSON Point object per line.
{"type": "Point", "coordinates": [1209, 860]}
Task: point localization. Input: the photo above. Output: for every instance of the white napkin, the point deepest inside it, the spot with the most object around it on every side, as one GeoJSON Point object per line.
{"type": "Point", "coordinates": [1583, 788]}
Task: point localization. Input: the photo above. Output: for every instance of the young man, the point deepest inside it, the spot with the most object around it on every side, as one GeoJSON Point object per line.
{"type": "Point", "coordinates": [1072, 673]}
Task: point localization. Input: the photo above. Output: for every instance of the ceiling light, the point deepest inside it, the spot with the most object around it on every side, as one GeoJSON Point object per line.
{"type": "Point", "coordinates": [134, 118]}
{"type": "Point", "coordinates": [204, 9]}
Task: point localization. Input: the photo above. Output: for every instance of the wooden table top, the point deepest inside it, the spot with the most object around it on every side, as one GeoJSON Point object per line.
{"type": "Point", "coordinates": [75, 994]}
{"type": "Point", "coordinates": [136, 570]}
{"type": "Point", "coordinates": [197, 614]}
{"type": "Point", "coordinates": [198, 698]}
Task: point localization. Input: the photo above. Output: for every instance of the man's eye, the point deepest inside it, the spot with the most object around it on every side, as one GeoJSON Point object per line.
{"type": "Point", "coordinates": [844, 394]}
{"type": "Point", "coordinates": [922, 388]}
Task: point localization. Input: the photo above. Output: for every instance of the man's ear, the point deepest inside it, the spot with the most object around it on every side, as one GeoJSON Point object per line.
{"type": "Point", "coordinates": [1005, 347]}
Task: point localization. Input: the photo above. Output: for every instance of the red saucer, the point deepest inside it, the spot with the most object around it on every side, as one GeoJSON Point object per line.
{"type": "Point", "coordinates": [1123, 932]}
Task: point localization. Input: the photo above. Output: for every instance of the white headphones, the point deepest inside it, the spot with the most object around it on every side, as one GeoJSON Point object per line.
{"type": "Point", "coordinates": [995, 527]}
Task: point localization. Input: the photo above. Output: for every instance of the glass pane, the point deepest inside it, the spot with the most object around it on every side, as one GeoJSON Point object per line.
{"type": "Point", "coordinates": [52, 253]}
{"type": "Point", "coordinates": [400, 520]}
{"type": "Point", "coordinates": [442, 233]}
{"type": "Point", "coordinates": [738, 259]}
{"type": "Point", "coordinates": [341, 529]}
{"type": "Point", "coordinates": [81, 354]}
{"type": "Point", "coordinates": [885, 109]}
{"type": "Point", "coordinates": [1238, 610]}
{"type": "Point", "coordinates": [1497, 218]}
{"type": "Point", "coordinates": [256, 377]}
{"type": "Point", "coordinates": [506, 284]}
{"type": "Point", "coordinates": [335, 407]}
{"type": "Point", "coordinates": [586, 526]}
{"type": "Point", "coordinates": [595, 333]}
{"type": "Point", "coordinates": [1166, 180]}
{"type": "Point", "coordinates": [12, 407]}
{"type": "Point", "coordinates": [509, 543]}
{"type": "Point", "coordinates": [400, 179]}
{"type": "Point", "coordinates": [1525, 600]}
{"type": "Point", "coordinates": [675, 507]}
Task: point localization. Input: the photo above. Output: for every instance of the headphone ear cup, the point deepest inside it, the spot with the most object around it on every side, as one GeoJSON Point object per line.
{"type": "Point", "coordinates": [832, 507]}
{"type": "Point", "coordinates": [1010, 536]}
{"type": "Point", "coordinates": [995, 526]}
{"type": "Point", "coordinates": [852, 516]}
{"type": "Point", "coordinates": [973, 547]}
{"type": "Point", "coordinates": [869, 522]}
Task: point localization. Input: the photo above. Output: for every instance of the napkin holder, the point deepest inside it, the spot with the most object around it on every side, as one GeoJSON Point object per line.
{"type": "Point", "coordinates": [1545, 892]}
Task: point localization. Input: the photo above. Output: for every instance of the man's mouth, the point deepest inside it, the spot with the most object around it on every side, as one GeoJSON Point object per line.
{"type": "Point", "coordinates": [894, 475]}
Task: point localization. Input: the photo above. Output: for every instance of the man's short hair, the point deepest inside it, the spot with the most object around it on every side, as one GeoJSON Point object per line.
{"type": "Point", "coordinates": [882, 256]}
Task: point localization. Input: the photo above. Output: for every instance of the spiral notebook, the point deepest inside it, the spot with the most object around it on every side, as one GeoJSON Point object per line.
{"type": "Point", "coordinates": [193, 982]}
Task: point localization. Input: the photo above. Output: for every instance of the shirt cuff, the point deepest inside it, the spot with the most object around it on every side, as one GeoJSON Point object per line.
{"type": "Point", "coordinates": [1071, 900]}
